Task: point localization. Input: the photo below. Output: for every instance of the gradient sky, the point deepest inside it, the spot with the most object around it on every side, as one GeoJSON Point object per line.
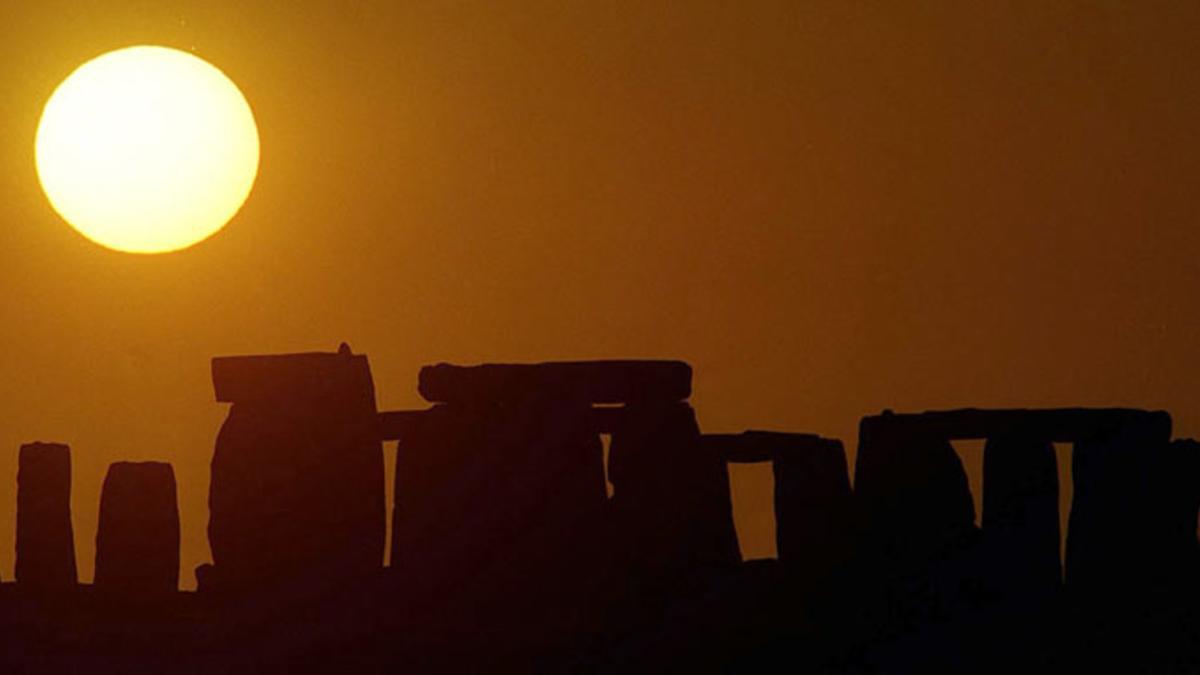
{"type": "Point", "coordinates": [828, 210]}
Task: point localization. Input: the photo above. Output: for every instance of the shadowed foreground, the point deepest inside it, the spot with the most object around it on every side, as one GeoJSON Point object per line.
{"type": "Point", "coordinates": [509, 553]}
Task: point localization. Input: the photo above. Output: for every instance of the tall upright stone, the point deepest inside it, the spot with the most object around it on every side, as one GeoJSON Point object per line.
{"type": "Point", "coordinates": [297, 491]}
{"type": "Point", "coordinates": [499, 506]}
{"type": "Point", "coordinates": [45, 540]}
{"type": "Point", "coordinates": [912, 492]}
{"type": "Point", "coordinates": [814, 520]}
{"type": "Point", "coordinates": [1114, 535]}
{"type": "Point", "coordinates": [815, 524]}
{"type": "Point", "coordinates": [1020, 519]}
{"type": "Point", "coordinates": [917, 567]}
{"type": "Point", "coordinates": [501, 493]}
{"type": "Point", "coordinates": [137, 542]}
{"type": "Point", "coordinates": [1181, 503]}
{"type": "Point", "coordinates": [671, 507]}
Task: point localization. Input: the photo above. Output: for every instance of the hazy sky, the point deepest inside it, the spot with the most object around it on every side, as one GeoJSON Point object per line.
{"type": "Point", "coordinates": [827, 210]}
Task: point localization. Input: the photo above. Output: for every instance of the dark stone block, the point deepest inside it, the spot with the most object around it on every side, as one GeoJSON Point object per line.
{"type": "Point", "coordinates": [918, 568]}
{"type": "Point", "coordinates": [1052, 424]}
{"type": "Point", "coordinates": [762, 446]}
{"type": "Point", "coordinates": [498, 510]}
{"type": "Point", "coordinates": [671, 508]}
{"type": "Point", "coordinates": [912, 492]}
{"type": "Point", "coordinates": [815, 529]}
{"type": "Point", "coordinates": [204, 578]}
{"type": "Point", "coordinates": [1115, 536]}
{"type": "Point", "coordinates": [1020, 520]}
{"type": "Point", "coordinates": [311, 378]}
{"type": "Point", "coordinates": [297, 493]}
{"type": "Point", "coordinates": [396, 425]}
{"type": "Point", "coordinates": [1181, 503]}
{"type": "Point", "coordinates": [45, 540]}
{"type": "Point", "coordinates": [580, 381]}
{"type": "Point", "coordinates": [137, 542]}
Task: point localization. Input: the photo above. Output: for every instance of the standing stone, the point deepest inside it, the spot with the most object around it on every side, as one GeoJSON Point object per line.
{"type": "Point", "coordinates": [918, 532]}
{"type": "Point", "coordinates": [913, 494]}
{"type": "Point", "coordinates": [297, 492]}
{"type": "Point", "coordinates": [671, 507]}
{"type": "Point", "coordinates": [499, 503]}
{"type": "Point", "coordinates": [814, 525]}
{"type": "Point", "coordinates": [1114, 535]}
{"type": "Point", "coordinates": [498, 515]}
{"type": "Point", "coordinates": [137, 543]}
{"type": "Point", "coordinates": [1020, 519]}
{"type": "Point", "coordinates": [45, 541]}
{"type": "Point", "coordinates": [1181, 505]}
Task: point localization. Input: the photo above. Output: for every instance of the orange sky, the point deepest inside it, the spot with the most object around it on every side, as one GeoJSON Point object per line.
{"type": "Point", "coordinates": [827, 210]}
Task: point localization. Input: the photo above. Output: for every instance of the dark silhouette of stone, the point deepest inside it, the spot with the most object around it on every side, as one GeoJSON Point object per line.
{"type": "Point", "coordinates": [750, 447]}
{"type": "Point", "coordinates": [1050, 424]}
{"type": "Point", "coordinates": [395, 425]}
{"type": "Point", "coordinates": [500, 490]}
{"type": "Point", "coordinates": [137, 542]}
{"type": "Point", "coordinates": [814, 524]}
{"type": "Point", "coordinates": [582, 381]}
{"type": "Point", "coordinates": [297, 494]}
{"type": "Point", "coordinates": [1020, 520]}
{"type": "Point", "coordinates": [498, 510]}
{"type": "Point", "coordinates": [922, 553]}
{"type": "Point", "coordinates": [1181, 504]}
{"type": "Point", "coordinates": [917, 571]}
{"type": "Point", "coordinates": [912, 490]}
{"type": "Point", "coordinates": [814, 511]}
{"type": "Point", "coordinates": [205, 578]}
{"type": "Point", "coordinates": [45, 540]}
{"type": "Point", "coordinates": [502, 533]}
{"type": "Point", "coordinates": [882, 477]}
{"type": "Point", "coordinates": [671, 509]}
{"type": "Point", "coordinates": [1113, 535]}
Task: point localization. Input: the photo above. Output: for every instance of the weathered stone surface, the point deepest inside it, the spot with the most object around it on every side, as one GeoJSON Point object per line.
{"type": "Point", "coordinates": [45, 540]}
{"type": "Point", "coordinates": [671, 508]}
{"type": "Point", "coordinates": [297, 493]}
{"type": "Point", "coordinates": [137, 542]}
{"type": "Point", "coordinates": [1020, 519]}
{"type": "Point", "coordinates": [581, 381]}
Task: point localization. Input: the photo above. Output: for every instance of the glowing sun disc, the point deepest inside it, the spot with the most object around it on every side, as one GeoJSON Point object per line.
{"type": "Point", "coordinates": [147, 149]}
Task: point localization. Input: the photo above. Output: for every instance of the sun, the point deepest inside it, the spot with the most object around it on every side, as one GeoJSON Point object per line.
{"type": "Point", "coordinates": [147, 149]}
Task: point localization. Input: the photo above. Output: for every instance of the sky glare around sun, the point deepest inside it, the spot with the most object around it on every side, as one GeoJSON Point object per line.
{"type": "Point", "coordinates": [147, 149]}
